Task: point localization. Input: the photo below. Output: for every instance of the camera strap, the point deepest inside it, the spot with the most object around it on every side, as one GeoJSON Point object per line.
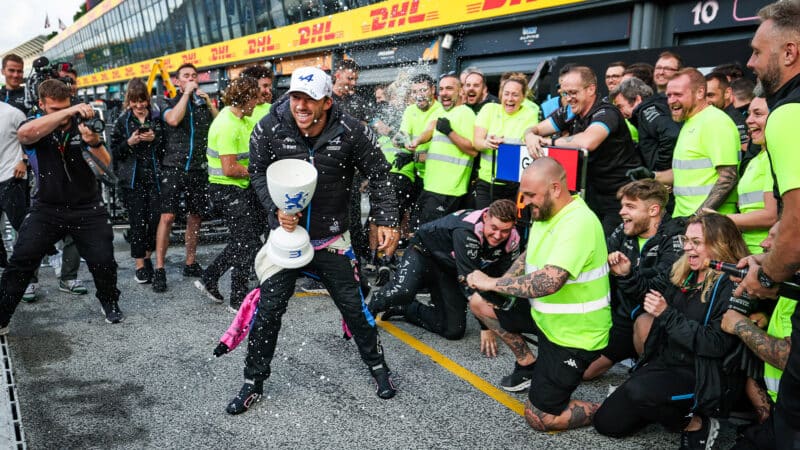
{"type": "Point", "coordinates": [100, 170]}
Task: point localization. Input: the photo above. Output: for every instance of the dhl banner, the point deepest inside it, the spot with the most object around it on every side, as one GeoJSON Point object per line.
{"type": "Point", "coordinates": [384, 19]}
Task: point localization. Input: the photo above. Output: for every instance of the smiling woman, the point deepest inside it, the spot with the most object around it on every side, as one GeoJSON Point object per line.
{"type": "Point", "coordinates": [681, 368]}
{"type": "Point", "coordinates": [503, 123]}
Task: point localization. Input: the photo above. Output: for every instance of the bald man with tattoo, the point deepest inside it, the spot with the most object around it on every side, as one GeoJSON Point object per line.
{"type": "Point", "coordinates": [564, 276]}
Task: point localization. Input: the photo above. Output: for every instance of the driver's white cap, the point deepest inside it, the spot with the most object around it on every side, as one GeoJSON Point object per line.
{"type": "Point", "coordinates": [311, 81]}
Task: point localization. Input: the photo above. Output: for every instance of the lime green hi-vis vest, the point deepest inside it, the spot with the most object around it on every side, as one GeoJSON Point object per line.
{"type": "Point", "coordinates": [228, 135]}
{"type": "Point", "coordinates": [754, 183]}
{"type": "Point", "coordinates": [390, 151]}
{"type": "Point", "coordinates": [493, 118]}
{"type": "Point", "coordinates": [414, 122]}
{"type": "Point", "coordinates": [579, 314]}
{"type": "Point", "coordinates": [447, 168]}
{"type": "Point", "coordinates": [780, 326]}
{"type": "Point", "coordinates": [706, 141]}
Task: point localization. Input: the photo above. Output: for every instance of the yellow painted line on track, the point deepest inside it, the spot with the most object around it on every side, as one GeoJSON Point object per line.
{"type": "Point", "coordinates": [309, 294]}
{"type": "Point", "coordinates": [487, 388]}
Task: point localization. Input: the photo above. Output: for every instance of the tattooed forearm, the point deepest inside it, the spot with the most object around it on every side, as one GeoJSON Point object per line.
{"type": "Point", "coordinates": [722, 188]}
{"type": "Point", "coordinates": [772, 350]}
{"type": "Point", "coordinates": [535, 284]}
{"type": "Point", "coordinates": [535, 417]}
{"type": "Point", "coordinates": [517, 267]}
{"type": "Point", "coordinates": [514, 341]}
{"type": "Point", "coordinates": [578, 414]}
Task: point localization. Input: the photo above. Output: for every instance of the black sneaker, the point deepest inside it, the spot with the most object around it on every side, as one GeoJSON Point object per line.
{"type": "Point", "coordinates": [211, 291]}
{"type": "Point", "coordinates": [160, 280]}
{"type": "Point", "coordinates": [519, 379]}
{"type": "Point", "coordinates": [142, 276]}
{"type": "Point", "coordinates": [384, 273]}
{"type": "Point", "coordinates": [112, 312]}
{"type": "Point", "coordinates": [193, 270]}
{"type": "Point", "coordinates": [702, 439]}
{"type": "Point", "coordinates": [375, 305]}
{"type": "Point", "coordinates": [383, 380]}
{"type": "Point", "coordinates": [148, 267]}
{"type": "Point", "coordinates": [250, 393]}
{"type": "Point", "coordinates": [394, 311]}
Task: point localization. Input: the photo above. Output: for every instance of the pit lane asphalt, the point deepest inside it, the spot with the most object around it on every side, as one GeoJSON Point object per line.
{"type": "Point", "coordinates": [152, 381]}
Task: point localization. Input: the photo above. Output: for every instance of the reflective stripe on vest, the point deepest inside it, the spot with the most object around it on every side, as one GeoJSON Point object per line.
{"type": "Point", "coordinates": [449, 159]}
{"type": "Point", "coordinates": [215, 154]}
{"type": "Point", "coordinates": [689, 164]}
{"type": "Point", "coordinates": [214, 171]}
{"type": "Point", "coordinates": [688, 191]}
{"type": "Point", "coordinates": [772, 383]}
{"type": "Point", "coordinates": [442, 138]}
{"type": "Point", "coordinates": [570, 308]}
{"type": "Point", "coordinates": [751, 198]}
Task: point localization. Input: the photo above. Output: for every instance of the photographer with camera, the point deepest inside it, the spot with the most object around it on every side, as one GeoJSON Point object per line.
{"type": "Point", "coordinates": [188, 117]}
{"type": "Point", "coordinates": [67, 200]}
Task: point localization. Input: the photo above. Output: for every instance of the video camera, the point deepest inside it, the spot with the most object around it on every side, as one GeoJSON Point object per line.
{"type": "Point", "coordinates": [43, 70]}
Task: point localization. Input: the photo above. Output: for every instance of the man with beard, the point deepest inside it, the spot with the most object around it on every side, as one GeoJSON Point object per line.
{"type": "Point", "coordinates": [415, 121]}
{"type": "Point", "coordinates": [564, 276]}
{"type": "Point", "coordinates": [720, 94]}
{"type": "Point", "coordinates": [476, 93]}
{"type": "Point", "coordinates": [449, 162]}
{"type": "Point", "coordinates": [776, 63]}
{"type": "Point", "coordinates": [641, 251]}
{"type": "Point", "coordinates": [599, 128]}
{"type": "Point", "coordinates": [614, 72]}
{"type": "Point", "coordinates": [706, 154]}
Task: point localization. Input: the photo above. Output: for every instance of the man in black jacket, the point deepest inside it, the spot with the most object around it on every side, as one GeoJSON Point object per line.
{"type": "Point", "coordinates": [308, 125]}
{"type": "Point", "coordinates": [441, 255]}
{"type": "Point", "coordinates": [650, 114]}
{"type": "Point", "coordinates": [641, 251]}
{"type": "Point", "coordinates": [599, 128]}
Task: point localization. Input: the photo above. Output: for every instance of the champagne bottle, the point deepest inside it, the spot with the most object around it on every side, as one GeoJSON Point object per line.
{"type": "Point", "coordinates": [788, 289]}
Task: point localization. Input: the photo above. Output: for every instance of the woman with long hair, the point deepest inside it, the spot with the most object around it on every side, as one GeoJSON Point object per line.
{"type": "Point", "coordinates": [679, 379]}
{"type": "Point", "coordinates": [137, 148]}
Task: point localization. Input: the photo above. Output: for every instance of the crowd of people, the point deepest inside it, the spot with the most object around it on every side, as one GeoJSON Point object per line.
{"type": "Point", "coordinates": [683, 169]}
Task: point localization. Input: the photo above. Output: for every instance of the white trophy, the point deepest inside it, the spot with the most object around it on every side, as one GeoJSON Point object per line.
{"type": "Point", "coordinates": [291, 184]}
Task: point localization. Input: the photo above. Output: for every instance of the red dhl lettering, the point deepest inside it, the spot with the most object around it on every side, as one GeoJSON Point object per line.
{"type": "Point", "coordinates": [144, 68]}
{"type": "Point", "coordinates": [400, 14]}
{"type": "Point", "coordinates": [115, 73]}
{"type": "Point", "coordinates": [220, 53]}
{"type": "Point", "coordinates": [129, 71]}
{"type": "Point", "coordinates": [190, 57]}
{"type": "Point", "coordinates": [260, 45]}
{"type": "Point", "coordinates": [316, 33]}
{"type": "Point", "coordinates": [493, 4]}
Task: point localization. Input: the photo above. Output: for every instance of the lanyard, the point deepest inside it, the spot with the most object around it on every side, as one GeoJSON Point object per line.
{"type": "Point", "coordinates": [63, 146]}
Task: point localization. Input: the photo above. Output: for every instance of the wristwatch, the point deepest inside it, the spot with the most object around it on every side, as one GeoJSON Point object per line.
{"type": "Point", "coordinates": [764, 279]}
